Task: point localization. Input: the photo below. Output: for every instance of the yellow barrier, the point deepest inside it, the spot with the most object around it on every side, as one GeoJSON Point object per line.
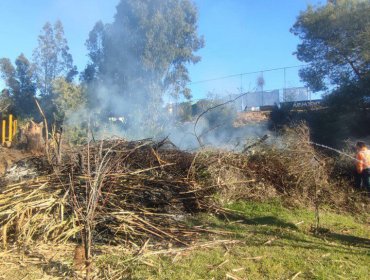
{"type": "Point", "coordinates": [9, 126]}
{"type": "Point", "coordinates": [3, 132]}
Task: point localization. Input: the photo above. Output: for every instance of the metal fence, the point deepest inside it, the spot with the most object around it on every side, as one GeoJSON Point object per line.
{"type": "Point", "coordinates": [251, 100]}
{"type": "Point", "coordinates": [296, 94]}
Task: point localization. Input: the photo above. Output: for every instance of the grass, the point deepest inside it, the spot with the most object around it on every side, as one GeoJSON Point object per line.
{"type": "Point", "coordinates": [274, 242]}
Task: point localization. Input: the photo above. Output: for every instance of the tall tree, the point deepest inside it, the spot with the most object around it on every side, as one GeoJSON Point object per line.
{"type": "Point", "coordinates": [90, 75]}
{"type": "Point", "coordinates": [6, 102]}
{"type": "Point", "coordinates": [335, 42]}
{"type": "Point", "coordinates": [144, 53]}
{"type": "Point", "coordinates": [7, 71]}
{"type": "Point", "coordinates": [68, 98]}
{"type": "Point", "coordinates": [52, 58]}
{"type": "Point", "coordinates": [21, 82]}
{"type": "Point", "coordinates": [95, 46]}
{"type": "Point", "coordinates": [24, 98]}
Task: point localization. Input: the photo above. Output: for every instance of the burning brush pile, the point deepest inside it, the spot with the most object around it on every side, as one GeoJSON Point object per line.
{"type": "Point", "coordinates": [124, 192]}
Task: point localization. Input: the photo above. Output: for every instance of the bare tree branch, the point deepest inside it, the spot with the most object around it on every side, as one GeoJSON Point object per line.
{"type": "Point", "coordinates": [210, 109]}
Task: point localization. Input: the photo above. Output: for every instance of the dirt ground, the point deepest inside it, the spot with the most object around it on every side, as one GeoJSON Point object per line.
{"type": "Point", "coordinates": [9, 156]}
{"type": "Point", "coordinates": [245, 118]}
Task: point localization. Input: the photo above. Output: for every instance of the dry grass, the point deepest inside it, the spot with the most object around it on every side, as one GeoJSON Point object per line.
{"type": "Point", "coordinates": [245, 118]}
{"type": "Point", "coordinates": [292, 165]}
{"type": "Point", "coordinates": [34, 211]}
{"type": "Point", "coordinates": [148, 189]}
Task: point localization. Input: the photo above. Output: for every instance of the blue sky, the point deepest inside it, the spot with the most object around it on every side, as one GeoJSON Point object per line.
{"type": "Point", "coordinates": [241, 36]}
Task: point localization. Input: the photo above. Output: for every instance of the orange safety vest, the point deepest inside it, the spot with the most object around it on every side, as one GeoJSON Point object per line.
{"type": "Point", "coordinates": [363, 160]}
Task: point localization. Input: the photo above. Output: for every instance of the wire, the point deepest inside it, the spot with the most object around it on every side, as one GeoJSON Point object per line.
{"type": "Point", "coordinates": [243, 74]}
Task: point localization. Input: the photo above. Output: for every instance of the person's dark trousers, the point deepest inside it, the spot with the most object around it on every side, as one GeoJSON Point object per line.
{"type": "Point", "coordinates": [366, 179]}
{"type": "Point", "coordinates": [358, 180]}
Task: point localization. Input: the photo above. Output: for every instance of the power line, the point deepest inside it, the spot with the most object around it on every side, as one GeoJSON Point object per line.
{"type": "Point", "coordinates": [245, 73]}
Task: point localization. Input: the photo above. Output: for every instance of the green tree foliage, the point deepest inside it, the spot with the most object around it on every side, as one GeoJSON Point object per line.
{"type": "Point", "coordinates": [6, 102]}
{"type": "Point", "coordinates": [20, 79]}
{"type": "Point", "coordinates": [52, 58]}
{"type": "Point", "coordinates": [8, 73]}
{"type": "Point", "coordinates": [216, 117]}
{"type": "Point", "coordinates": [68, 98]}
{"type": "Point", "coordinates": [183, 111]}
{"type": "Point", "coordinates": [335, 42]}
{"type": "Point", "coordinates": [144, 53]}
{"type": "Point", "coordinates": [95, 46]}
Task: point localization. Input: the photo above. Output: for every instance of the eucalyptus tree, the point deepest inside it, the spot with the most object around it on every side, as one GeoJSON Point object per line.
{"type": "Point", "coordinates": [143, 54]}
{"type": "Point", "coordinates": [52, 58]}
{"type": "Point", "coordinates": [20, 81]}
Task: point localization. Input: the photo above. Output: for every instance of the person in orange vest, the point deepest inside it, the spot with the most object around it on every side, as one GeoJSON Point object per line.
{"type": "Point", "coordinates": [363, 166]}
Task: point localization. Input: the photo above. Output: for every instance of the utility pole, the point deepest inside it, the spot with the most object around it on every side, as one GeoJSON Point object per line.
{"type": "Point", "coordinates": [284, 78]}
{"type": "Point", "coordinates": [241, 91]}
{"type": "Point", "coordinates": [260, 84]}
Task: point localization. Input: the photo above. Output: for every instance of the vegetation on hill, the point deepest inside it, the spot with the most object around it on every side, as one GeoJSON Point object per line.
{"type": "Point", "coordinates": [335, 45]}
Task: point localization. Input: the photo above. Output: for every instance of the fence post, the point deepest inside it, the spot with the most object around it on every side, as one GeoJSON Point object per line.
{"type": "Point", "coordinates": [9, 128]}
{"type": "Point", "coordinates": [3, 132]}
{"type": "Point", "coordinates": [15, 124]}
{"type": "Point", "coordinates": [10, 137]}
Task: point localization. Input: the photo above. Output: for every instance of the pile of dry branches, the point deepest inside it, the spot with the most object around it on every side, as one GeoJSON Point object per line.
{"type": "Point", "coordinates": [124, 192]}
{"type": "Point", "coordinates": [303, 174]}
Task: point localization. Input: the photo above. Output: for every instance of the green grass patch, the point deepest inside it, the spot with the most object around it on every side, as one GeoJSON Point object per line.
{"type": "Point", "coordinates": [274, 243]}
{"type": "Point", "coordinates": [271, 242]}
